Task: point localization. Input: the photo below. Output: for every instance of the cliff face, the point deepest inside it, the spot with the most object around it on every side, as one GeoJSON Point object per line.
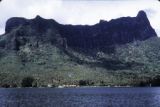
{"type": "Point", "coordinates": [53, 53]}
{"type": "Point", "coordinates": [100, 36]}
{"type": "Point", "coordinates": [105, 34]}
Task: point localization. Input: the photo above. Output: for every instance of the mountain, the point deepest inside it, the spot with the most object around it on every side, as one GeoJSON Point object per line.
{"type": "Point", "coordinates": [100, 36]}
{"type": "Point", "coordinates": [117, 52]}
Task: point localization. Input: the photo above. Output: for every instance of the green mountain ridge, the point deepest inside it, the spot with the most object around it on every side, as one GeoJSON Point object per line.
{"type": "Point", "coordinates": [47, 63]}
{"type": "Point", "coordinates": [48, 53]}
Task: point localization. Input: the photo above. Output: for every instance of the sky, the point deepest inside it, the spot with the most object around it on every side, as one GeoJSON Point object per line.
{"type": "Point", "coordinates": [79, 11]}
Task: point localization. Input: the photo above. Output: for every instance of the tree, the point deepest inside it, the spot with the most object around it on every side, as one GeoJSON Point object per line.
{"type": "Point", "coordinates": [155, 81]}
{"type": "Point", "coordinates": [27, 82]}
{"type": "Point", "coordinates": [82, 83]}
{"type": "Point", "coordinates": [85, 82]}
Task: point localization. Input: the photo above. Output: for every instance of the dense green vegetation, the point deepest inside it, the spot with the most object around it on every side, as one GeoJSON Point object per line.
{"type": "Point", "coordinates": [28, 82]}
{"type": "Point", "coordinates": [135, 64]}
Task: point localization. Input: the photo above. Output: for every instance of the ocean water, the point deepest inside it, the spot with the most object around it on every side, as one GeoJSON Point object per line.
{"type": "Point", "coordinates": [80, 97]}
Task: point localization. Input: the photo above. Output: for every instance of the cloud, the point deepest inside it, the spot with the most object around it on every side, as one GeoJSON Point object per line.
{"type": "Point", "coordinates": [80, 11]}
{"type": "Point", "coordinates": [150, 12]}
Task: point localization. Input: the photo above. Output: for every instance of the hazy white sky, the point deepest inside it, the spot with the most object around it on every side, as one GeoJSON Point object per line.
{"type": "Point", "coordinates": [79, 11]}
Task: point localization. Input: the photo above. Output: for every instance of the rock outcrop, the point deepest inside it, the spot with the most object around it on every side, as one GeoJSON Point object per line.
{"type": "Point", "coordinates": [58, 54]}
{"type": "Point", "coordinates": [100, 36]}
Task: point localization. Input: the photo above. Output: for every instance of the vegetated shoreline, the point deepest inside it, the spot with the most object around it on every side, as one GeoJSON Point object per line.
{"type": "Point", "coordinates": [29, 82]}
{"type": "Point", "coordinates": [77, 86]}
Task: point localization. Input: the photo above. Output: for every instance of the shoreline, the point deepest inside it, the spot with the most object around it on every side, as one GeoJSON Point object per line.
{"type": "Point", "coordinates": [60, 87]}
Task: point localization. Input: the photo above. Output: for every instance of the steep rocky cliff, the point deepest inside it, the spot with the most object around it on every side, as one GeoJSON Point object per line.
{"type": "Point", "coordinates": [102, 36]}
{"type": "Point", "coordinates": [56, 54]}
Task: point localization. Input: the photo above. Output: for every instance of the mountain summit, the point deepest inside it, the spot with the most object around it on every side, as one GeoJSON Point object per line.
{"type": "Point", "coordinates": [123, 51]}
{"type": "Point", "coordinates": [100, 36]}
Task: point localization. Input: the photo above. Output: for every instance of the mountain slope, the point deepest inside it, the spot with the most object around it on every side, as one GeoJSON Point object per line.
{"type": "Point", "coordinates": [101, 36]}
{"type": "Point", "coordinates": [123, 51]}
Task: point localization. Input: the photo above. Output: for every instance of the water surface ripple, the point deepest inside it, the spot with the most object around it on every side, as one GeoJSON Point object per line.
{"type": "Point", "coordinates": [80, 97]}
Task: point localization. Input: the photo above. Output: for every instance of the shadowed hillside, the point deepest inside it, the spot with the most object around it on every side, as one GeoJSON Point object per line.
{"type": "Point", "coordinates": [123, 51]}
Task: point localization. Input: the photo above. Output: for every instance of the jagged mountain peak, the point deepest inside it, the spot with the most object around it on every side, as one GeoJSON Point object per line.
{"type": "Point", "coordinates": [100, 36]}
{"type": "Point", "coordinates": [13, 23]}
{"type": "Point", "coordinates": [45, 49]}
{"type": "Point", "coordinates": [142, 14]}
{"type": "Point", "coordinates": [38, 17]}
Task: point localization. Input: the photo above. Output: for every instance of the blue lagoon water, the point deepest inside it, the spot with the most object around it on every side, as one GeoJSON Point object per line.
{"type": "Point", "coordinates": [80, 97]}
